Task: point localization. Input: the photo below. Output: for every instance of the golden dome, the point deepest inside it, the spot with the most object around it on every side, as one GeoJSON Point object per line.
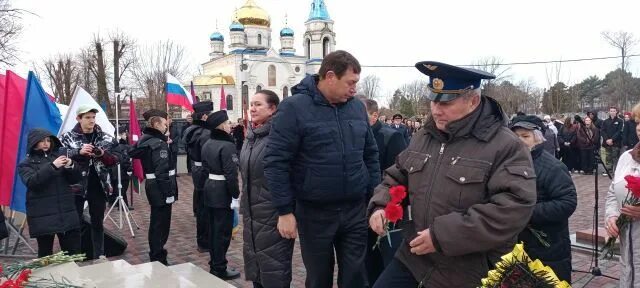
{"type": "Point", "coordinates": [251, 14]}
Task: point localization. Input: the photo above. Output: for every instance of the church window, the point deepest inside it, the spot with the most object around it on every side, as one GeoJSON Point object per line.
{"type": "Point", "coordinates": [272, 75]}
{"type": "Point", "coordinates": [245, 39]}
{"type": "Point", "coordinates": [285, 92]}
{"type": "Point", "coordinates": [258, 88]}
{"type": "Point", "coordinates": [308, 48]}
{"type": "Point", "coordinates": [325, 46]}
{"type": "Point", "coordinates": [297, 69]}
{"type": "Point", "coordinates": [230, 102]}
{"type": "Point", "coordinates": [259, 39]}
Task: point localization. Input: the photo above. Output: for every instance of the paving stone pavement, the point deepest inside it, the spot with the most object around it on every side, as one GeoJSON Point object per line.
{"type": "Point", "coordinates": [182, 245]}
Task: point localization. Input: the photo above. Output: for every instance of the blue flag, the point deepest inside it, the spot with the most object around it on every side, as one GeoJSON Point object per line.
{"type": "Point", "coordinates": [39, 112]}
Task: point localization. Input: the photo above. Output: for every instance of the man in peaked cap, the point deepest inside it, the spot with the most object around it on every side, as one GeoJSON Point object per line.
{"type": "Point", "coordinates": [194, 138]}
{"type": "Point", "coordinates": [470, 180]}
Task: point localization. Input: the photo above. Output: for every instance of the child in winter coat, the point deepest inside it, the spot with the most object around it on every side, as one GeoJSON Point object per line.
{"type": "Point", "coordinates": [48, 174]}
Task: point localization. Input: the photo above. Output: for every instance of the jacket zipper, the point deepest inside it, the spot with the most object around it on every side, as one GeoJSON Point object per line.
{"type": "Point", "coordinates": [253, 236]}
{"type": "Point", "coordinates": [57, 194]}
{"type": "Point", "coordinates": [344, 165]}
{"type": "Point", "coordinates": [435, 171]}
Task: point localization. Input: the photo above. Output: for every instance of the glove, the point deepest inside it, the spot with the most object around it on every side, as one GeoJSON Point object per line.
{"type": "Point", "coordinates": [235, 203]}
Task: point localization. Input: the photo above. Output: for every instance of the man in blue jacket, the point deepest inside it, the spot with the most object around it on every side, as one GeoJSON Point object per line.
{"type": "Point", "coordinates": [321, 162]}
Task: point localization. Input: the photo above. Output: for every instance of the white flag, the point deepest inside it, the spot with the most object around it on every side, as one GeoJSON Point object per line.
{"type": "Point", "coordinates": [81, 97]}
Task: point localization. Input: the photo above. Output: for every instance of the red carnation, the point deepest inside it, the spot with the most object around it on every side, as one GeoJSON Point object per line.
{"type": "Point", "coordinates": [393, 212]}
{"type": "Point", "coordinates": [633, 184]}
{"type": "Point", "coordinates": [397, 193]}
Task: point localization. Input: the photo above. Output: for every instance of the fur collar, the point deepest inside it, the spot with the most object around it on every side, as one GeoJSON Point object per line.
{"type": "Point", "coordinates": [218, 134]}
{"type": "Point", "coordinates": [154, 133]}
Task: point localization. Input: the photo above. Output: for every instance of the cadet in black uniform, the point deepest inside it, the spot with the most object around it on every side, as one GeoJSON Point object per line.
{"type": "Point", "coordinates": [220, 158]}
{"type": "Point", "coordinates": [160, 184]}
{"type": "Point", "coordinates": [195, 136]}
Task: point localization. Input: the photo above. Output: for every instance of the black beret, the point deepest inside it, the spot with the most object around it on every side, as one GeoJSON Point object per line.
{"type": "Point", "coordinates": [529, 122]}
{"type": "Point", "coordinates": [154, 112]}
{"type": "Point", "coordinates": [203, 107]}
{"type": "Point", "coordinates": [216, 118]}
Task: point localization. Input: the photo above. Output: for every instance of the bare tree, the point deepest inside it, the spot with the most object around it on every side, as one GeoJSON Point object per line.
{"type": "Point", "coordinates": [153, 64]}
{"type": "Point", "coordinates": [495, 66]}
{"type": "Point", "coordinates": [415, 92]}
{"type": "Point", "coordinates": [370, 86]}
{"type": "Point", "coordinates": [98, 67]}
{"type": "Point", "coordinates": [123, 59]}
{"type": "Point", "coordinates": [86, 79]}
{"type": "Point", "coordinates": [625, 42]}
{"type": "Point", "coordinates": [62, 73]}
{"type": "Point", "coordinates": [10, 30]}
{"type": "Point", "coordinates": [553, 101]}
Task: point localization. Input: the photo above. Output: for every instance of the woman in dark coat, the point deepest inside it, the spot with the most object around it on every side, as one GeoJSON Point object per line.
{"type": "Point", "coordinates": [51, 208]}
{"type": "Point", "coordinates": [267, 256]}
{"type": "Point", "coordinates": [567, 139]}
{"type": "Point", "coordinates": [588, 136]}
{"type": "Point", "coordinates": [556, 202]}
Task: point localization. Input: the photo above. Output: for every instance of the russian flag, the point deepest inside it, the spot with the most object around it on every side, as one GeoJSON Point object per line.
{"type": "Point", "coordinates": [11, 110]}
{"type": "Point", "coordinates": [39, 112]}
{"type": "Point", "coordinates": [177, 95]}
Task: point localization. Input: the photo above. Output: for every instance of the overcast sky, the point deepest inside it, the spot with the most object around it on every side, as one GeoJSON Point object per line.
{"type": "Point", "coordinates": [399, 32]}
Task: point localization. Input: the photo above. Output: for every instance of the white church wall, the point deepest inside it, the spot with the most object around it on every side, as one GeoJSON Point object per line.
{"type": "Point", "coordinates": [224, 65]}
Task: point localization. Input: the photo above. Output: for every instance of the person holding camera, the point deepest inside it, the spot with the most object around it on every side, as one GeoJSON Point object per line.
{"type": "Point", "coordinates": [160, 185]}
{"type": "Point", "coordinates": [92, 151]}
{"type": "Point", "coordinates": [48, 172]}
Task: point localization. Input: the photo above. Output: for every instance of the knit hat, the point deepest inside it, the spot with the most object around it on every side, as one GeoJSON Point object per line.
{"type": "Point", "coordinates": [216, 118]}
{"type": "Point", "coordinates": [154, 112]}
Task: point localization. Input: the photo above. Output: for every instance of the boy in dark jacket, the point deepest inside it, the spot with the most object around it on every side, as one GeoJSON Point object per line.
{"type": "Point", "coordinates": [194, 138]}
{"type": "Point", "coordinates": [160, 184]}
{"type": "Point", "coordinates": [51, 209]}
{"type": "Point", "coordinates": [611, 131]}
{"type": "Point", "coordinates": [220, 159]}
{"type": "Point", "coordinates": [92, 151]}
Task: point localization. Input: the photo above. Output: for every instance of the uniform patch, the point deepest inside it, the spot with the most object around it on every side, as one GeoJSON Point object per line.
{"type": "Point", "coordinates": [164, 154]}
{"type": "Point", "coordinates": [234, 158]}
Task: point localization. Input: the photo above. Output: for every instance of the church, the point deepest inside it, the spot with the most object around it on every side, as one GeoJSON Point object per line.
{"type": "Point", "coordinates": [250, 62]}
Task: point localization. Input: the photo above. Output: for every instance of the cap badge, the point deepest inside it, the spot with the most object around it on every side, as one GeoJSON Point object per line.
{"type": "Point", "coordinates": [438, 84]}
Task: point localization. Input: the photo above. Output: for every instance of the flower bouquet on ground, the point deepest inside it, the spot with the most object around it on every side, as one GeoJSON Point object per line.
{"type": "Point", "coordinates": [516, 269]}
{"type": "Point", "coordinates": [392, 212]}
{"type": "Point", "coordinates": [18, 275]}
{"type": "Point", "coordinates": [632, 199]}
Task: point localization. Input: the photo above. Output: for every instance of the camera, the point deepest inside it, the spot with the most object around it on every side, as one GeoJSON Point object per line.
{"type": "Point", "coordinates": [69, 152]}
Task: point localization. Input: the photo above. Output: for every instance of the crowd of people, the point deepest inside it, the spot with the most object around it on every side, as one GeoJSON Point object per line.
{"type": "Point", "coordinates": [582, 143]}
{"type": "Point", "coordinates": [320, 166]}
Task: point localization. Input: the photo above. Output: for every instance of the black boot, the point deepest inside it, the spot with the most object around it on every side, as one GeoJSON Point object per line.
{"type": "Point", "coordinates": [228, 274]}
